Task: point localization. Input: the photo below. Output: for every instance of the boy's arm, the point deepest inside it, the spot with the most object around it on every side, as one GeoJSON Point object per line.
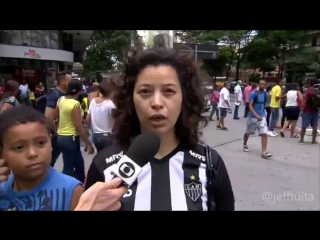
{"type": "Point", "coordinates": [78, 191]}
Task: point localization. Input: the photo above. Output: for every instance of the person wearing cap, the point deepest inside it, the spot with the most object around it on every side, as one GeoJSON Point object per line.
{"type": "Point", "coordinates": [71, 130]}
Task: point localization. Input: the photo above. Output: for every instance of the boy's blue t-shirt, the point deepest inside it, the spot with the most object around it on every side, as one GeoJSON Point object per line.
{"type": "Point", "coordinates": [53, 194]}
{"type": "Point", "coordinates": [259, 105]}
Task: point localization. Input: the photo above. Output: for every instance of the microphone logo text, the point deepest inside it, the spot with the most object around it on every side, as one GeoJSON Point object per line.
{"type": "Point", "coordinates": [126, 170]}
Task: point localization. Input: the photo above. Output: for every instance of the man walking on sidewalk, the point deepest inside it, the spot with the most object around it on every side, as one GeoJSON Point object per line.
{"type": "Point", "coordinates": [275, 108]}
{"type": "Point", "coordinates": [224, 105]}
{"type": "Point", "coordinates": [238, 100]}
{"type": "Point", "coordinates": [310, 115]}
{"type": "Point", "coordinates": [256, 119]}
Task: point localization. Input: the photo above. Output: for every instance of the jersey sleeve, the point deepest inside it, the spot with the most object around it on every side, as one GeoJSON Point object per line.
{"type": "Point", "coordinates": [224, 197]}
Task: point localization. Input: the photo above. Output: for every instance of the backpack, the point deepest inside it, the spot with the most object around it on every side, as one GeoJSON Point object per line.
{"type": "Point", "coordinates": [211, 173]}
{"type": "Point", "coordinates": [256, 95]}
{"type": "Point", "coordinates": [314, 100]}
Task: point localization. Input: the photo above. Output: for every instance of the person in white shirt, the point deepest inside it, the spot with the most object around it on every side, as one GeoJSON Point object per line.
{"type": "Point", "coordinates": [224, 105]}
{"type": "Point", "coordinates": [238, 99]}
{"type": "Point", "coordinates": [100, 116]}
{"type": "Point", "coordinates": [292, 109]}
{"type": "Point", "coordinates": [24, 93]}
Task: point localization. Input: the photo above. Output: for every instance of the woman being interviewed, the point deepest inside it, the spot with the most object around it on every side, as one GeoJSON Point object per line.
{"type": "Point", "coordinates": [162, 93]}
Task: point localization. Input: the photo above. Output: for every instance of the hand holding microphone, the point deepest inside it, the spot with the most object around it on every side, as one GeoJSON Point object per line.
{"type": "Point", "coordinates": [128, 168]}
{"type": "Point", "coordinates": [102, 197]}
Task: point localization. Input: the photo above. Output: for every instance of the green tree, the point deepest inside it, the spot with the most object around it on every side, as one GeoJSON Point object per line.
{"type": "Point", "coordinates": [235, 40]}
{"type": "Point", "coordinates": [282, 41]}
{"type": "Point", "coordinates": [219, 66]}
{"type": "Point", "coordinates": [108, 48]}
{"type": "Point", "coordinates": [259, 56]}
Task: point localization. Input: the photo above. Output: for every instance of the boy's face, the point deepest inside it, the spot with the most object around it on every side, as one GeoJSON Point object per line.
{"type": "Point", "coordinates": [27, 150]}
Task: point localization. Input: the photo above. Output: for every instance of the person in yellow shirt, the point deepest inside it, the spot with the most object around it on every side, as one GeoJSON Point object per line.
{"type": "Point", "coordinates": [85, 105]}
{"type": "Point", "coordinates": [71, 130]}
{"type": "Point", "coordinates": [32, 98]}
{"type": "Point", "coordinates": [275, 94]}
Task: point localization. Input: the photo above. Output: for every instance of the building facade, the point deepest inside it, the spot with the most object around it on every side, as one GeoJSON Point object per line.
{"type": "Point", "coordinates": [37, 55]}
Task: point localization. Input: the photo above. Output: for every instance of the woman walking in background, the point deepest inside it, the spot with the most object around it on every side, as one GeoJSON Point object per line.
{"type": "Point", "coordinates": [283, 102]}
{"type": "Point", "coordinates": [214, 103]}
{"type": "Point", "coordinates": [292, 109]}
{"type": "Point", "coordinates": [8, 99]}
{"type": "Point", "coordinates": [267, 107]}
{"type": "Point", "coordinates": [94, 91]}
{"type": "Point", "coordinates": [70, 130]}
{"type": "Point", "coordinates": [100, 116]}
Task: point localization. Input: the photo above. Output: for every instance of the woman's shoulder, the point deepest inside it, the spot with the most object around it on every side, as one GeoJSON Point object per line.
{"type": "Point", "coordinates": [11, 100]}
{"type": "Point", "coordinates": [108, 155]}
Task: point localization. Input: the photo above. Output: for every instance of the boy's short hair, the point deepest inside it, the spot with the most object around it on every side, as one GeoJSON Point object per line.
{"type": "Point", "coordinates": [19, 115]}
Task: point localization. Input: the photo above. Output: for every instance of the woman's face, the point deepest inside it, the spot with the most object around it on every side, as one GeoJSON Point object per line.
{"type": "Point", "coordinates": [158, 98]}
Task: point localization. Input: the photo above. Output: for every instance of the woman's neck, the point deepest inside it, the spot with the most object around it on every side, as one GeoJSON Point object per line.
{"type": "Point", "coordinates": [168, 144]}
{"type": "Point", "coordinates": [71, 97]}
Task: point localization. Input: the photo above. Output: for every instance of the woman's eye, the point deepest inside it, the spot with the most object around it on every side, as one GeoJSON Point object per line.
{"type": "Point", "coordinates": [41, 143]}
{"type": "Point", "coordinates": [145, 91]}
{"type": "Point", "coordinates": [169, 91]}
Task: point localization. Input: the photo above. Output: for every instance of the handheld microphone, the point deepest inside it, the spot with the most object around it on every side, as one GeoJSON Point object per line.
{"type": "Point", "coordinates": [143, 148]}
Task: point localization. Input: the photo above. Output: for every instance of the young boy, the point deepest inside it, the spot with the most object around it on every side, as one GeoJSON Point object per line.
{"type": "Point", "coordinates": [26, 148]}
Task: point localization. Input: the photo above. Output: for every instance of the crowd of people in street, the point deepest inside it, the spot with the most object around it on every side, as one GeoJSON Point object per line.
{"type": "Point", "coordinates": [262, 109]}
{"type": "Point", "coordinates": [156, 96]}
{"type": "Point", "coordinates": [160, 104]}
{"type": "Point", "coordinates": [72, 110]}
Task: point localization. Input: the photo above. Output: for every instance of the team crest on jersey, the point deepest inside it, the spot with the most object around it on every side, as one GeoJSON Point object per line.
{"type": "Point", "coordinates": [193, 190]}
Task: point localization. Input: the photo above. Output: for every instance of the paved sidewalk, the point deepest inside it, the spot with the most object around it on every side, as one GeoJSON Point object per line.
{"type": "Point", "coordinates": [288, 181]}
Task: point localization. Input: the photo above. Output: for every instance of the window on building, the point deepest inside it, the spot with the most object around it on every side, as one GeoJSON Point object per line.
{"type": "Point", "coordinates": [26, 37]}
{"type": "Point", "coordinates": [11, 37]}
{"type": "Point", "coordinates": [40, 38]}
{"type": "Point", "coordinates": [54, 39]}
{"type": "Point", "coordinates": [4, 37]}
{"type": "Point", "coordinates": [16, 37]}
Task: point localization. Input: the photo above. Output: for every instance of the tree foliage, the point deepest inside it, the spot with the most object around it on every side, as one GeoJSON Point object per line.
{"type": "Point", "coordinates": [271, 49]}
{"type": "Point", "coordinates": [232, 41]}
{"type": "Point", "coordinates": [107, 49]}
{"type": "Point", "coordinates": [260, 50]}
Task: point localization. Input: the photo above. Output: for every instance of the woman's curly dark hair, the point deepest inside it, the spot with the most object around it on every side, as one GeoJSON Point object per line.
{"type": "Point", "coordinates": [188, 127]}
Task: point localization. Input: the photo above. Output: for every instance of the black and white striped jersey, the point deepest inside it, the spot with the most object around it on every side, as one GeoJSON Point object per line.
{"type": "Point", "coordinates": [175, 183]}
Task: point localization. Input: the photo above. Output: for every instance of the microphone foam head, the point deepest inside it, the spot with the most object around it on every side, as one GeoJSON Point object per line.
{"type": "Point", "coordinates": [143, 148]}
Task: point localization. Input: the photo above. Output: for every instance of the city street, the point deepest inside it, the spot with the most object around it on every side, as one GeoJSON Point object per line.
{"type": "Point", "coordinates": [288, 181]}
